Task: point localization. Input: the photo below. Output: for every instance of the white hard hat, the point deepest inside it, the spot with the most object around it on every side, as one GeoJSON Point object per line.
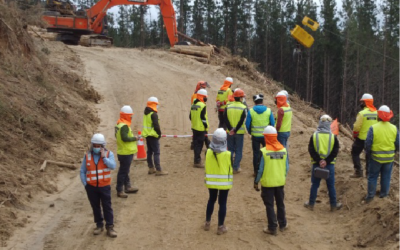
{"type": "Point", "coordinates": [384, 108]}
{"type": "Point", "coordinates": [98, 139]}
{"type": "Point", "coordinates": [220, 134]}
{"type": "Point", "coordinates": [127, 109]}
{"type": "Point", "coordinates": [153, 99]}
{"type": "Point", "coordinates": [366, 96]}
{"type": "Point", "coordinates": [280, 94]}
{"type": "Point", "coordinates": [285, 92]}
{"type": "Point", "coordinates": [325, 118]}
{"type": "Point", "coordinates": [269, 130]}
{"type": "Point", "coordinates": [202, 92]}
{"type": "Point", "coordinates": [229, 79]}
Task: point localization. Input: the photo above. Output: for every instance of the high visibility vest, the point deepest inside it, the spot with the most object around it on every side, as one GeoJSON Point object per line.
{"type": "Point", "coordinates": [125, 148]}
{"type": "Point", "coordinates": [222, 96]}
{"type": "Point", "coordinates": [234, 113]}
{"type": "Point", "coordinates": [148, 128]}
{"type": "Point", "coordinates": [369, 118]}
{"type": "Point", "coordinates": [274, 174]}
{"type": "Point", "coordinates": [287, 120]}
{"type": "Point", "coordinates": [97, 175]}
{"type": "Point", "coordinates": [323, 145]}
{"type": "Point", "coordinates": [219, 171]}
{"type": "Point", "coordinates": [259, 122]}
{"type": "Point", "coordinates": [195, 113]}
{"type": "Point", "coordinates": [383, 147]}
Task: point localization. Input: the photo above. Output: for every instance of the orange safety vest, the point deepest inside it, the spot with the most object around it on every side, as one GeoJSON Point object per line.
{"type": "Point", "coordinates": [97, 175]}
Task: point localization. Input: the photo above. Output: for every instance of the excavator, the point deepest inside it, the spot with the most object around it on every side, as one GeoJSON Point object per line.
{"type": "Point", "coordinates": [89, 27]}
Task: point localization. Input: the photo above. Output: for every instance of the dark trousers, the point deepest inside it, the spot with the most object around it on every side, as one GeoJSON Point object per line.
{"type": "Point", "coordinates": [103, 195]}
{"type": "Point", "coordinates": [256, 143]}
{"type": "Point", "coordinates": [356, 150]}
{"type": "Point", "coordinates": [268, 195]}
{"type": "Point", "coordinates": [221, 120]}
{"type": "Point", "coordinates": [123, 171]}
{"type": "Point", "coordinates": [222, 199]}
{"type": "Point", "coordinates": [153, 151]}
{"type": "Point", "coordinates": [198, 141]}
{"type": "Point", "coordinates": [206, 142]}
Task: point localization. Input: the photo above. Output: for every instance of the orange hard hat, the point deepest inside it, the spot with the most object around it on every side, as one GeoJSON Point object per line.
{"type": "Point", "coordinates": [238, 93]}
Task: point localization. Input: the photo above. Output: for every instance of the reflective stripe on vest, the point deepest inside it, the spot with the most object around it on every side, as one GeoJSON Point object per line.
{"type": "Point", "coordinates": [274, 174]}
{"type": "Point", "coordinates": [323, 144]}
{"type": "Point", "coordinates": [369, 118]}
{"type": "Point", "coordinates": [148, 128]}
{"type": "Point", "coordinates": [195, 114]}
{"type": "Point", "coordinates": [124, 148]}
{"type": "Point", "coordinates": [383, 148]}
{"type": "Point", "coordinates": [222, 96]}
{"type": "Point", "coordinates": [97, 175]}
{"type": "Point", "coordinates": [259, 122]}
{"type": "Point", "coordinates": [234, 113]}
{"type": "Point", "coordinates": [286, 124]}
{"type": "Point", "coordinates": [219, 171]}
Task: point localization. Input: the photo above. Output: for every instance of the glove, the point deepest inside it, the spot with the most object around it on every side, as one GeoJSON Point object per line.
{"type": "Point", "coordinates": [256, 187]}
{"type": "Point", "coordinates": [322, 163]}
{"type": "Point", "coordinates": [218, 104]}
{"type": "Point", "coordinates": [355, 134]}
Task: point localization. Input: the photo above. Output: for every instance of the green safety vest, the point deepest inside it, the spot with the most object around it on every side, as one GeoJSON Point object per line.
{"type": "Point", "coordinates": [222, 96]}
{"type": "Point", "coordinates": [287, 120]}
{"type": "Point", "coordinates": [259, 122]}
{"type": "Point", "coordinates": [219, 171]}
{"type": "Point", "coordinates": [383, 147]}
{"type": "Point", "coordinates": [369, 118]}
{"type": "Point", "coordinates": [274, 174]}
{"type": "Point", "coordinates": [148, 128]}
{"type": "Point", "coordinates": [323, 145]}
{"type": "Point", "coordinates": [234, 113]}
{"type": "Point", "coordinates": [125, 148]}
{"type": "Point", "coordinates": [195, 112]}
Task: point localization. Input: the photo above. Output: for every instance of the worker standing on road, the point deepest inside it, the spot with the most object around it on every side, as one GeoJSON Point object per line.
{"type": "Point", "coordinates": [284, 118]}
{"type": "Point", "coordinates": [199, 119]}
{"type": "Point", "coordinates": [96, 177]}
{"type": "Point", "coordinates": [258, 118]}
{"type": "Point", "coordinates": [222, 99]}
{"type": "Point", "coordinates": [323, 148]}
{"type": "Point", "coordinates": [200, 85]}
{"type": "Point", "coordinates": [381, 143]}
{"type": "Point", "coordinates": [367, 117]}
{"type": "Point", "coordinates": [218, 179]}
{"type": "Point", "coordinates": [126, 148]}
{"type": "Point", "coordinates": [234, 116]}
{"type": "Point", "coordinates": [271, 172]}
{"type": "Point", "coordinates": [152, 133]}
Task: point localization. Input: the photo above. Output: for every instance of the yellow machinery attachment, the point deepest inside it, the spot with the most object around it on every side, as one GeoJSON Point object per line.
{"type": "Point", "coordinates": [302, 36]}
{"type": "Point", "coordinates": [310, 23]}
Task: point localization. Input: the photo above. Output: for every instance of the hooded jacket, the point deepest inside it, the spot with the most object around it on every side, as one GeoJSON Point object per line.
{"type": "Point", "coordinates": [259, 109]}
{"type": "Point", "coordinates": [154, 119]}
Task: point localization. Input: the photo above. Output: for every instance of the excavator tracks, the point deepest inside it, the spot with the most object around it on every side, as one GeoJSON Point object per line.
{"type": "Point", "coordinates": [95, 40]}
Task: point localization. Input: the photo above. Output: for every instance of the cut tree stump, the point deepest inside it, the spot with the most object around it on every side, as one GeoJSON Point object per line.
{"type": "Point", "coordinates": [60, 164]}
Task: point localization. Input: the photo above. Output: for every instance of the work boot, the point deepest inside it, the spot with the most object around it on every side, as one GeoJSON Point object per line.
{"type": "Point", "coordinates": [270, 231]}
{"type": "Point", "coordinates": [111, 232]}
{"type": "Point", "coordinates": [152, 170]}
{"type": "Point", "coordinates": [307, 205]}
{"type": "Point", "coordinates": [198, 165]}
{"type": "Point", "coordinates": [161, 172]}
{"type": "Point", "coordinates": [207, 226]}
{"type": "Point", "coordinates": [357, 174]}
{"type": "Point", "coordinates": [131, 190]}
{"type": "Point", "coordinates": [283, 228]}
{"type": "Point", "coordinates": [98, 230]}
{"type": "Point", "coordinates": [222, 229]}
{"type": "Point", "coordinates": [237, 171]}
{"type": "Point", "coordinates": [337, 207]}
{"type": "Point", "coordinates": [122, 194]}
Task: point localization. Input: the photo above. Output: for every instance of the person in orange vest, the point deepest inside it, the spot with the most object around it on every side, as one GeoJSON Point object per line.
{"type": "Point", "coordinates": [222, 99]}
{"type": "Point", "coordinates": [284, 118]}
{"type": "Point", "coordinates": [367, 117]}
{"type": "Point", "coordinates": [96, 178]}
{"type": "Point", "coordinates": [200, 85]}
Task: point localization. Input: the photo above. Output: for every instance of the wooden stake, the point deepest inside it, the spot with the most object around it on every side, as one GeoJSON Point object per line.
{"type": "Point", "coordinates": [60, 164]}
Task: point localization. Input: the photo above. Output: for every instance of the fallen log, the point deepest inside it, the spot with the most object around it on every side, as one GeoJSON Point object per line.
{"type": "Point", "coordinates": [60, 164]}
{"type": "Point", "coordinates": [346, 132]}
{"type": "Point", "coordinates": [206, 49]}
{"type": "Point", "coordinates": [199, 59]}
{"type": "Point", "coordinates": [190, 52]}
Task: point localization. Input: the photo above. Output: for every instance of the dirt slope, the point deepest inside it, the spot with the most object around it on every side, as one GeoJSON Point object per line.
{"type": "Point", "coordinates": [168, 212]}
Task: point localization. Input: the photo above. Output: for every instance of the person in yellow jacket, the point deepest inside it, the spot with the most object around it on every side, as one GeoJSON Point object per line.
{"type": "Point", "coordinates": [200, 85]}
{"type": "Point", "coordinates": [126, 148]}
{"type": "Point", "coordinates": [222, 99]}
{"type": "Point", "coordinates": [367, 117]}
{"type": "Point", "coordinates": [381, 143]}
{"type": "Point", "coordinates": [283, 119]}
{"type": "Point", "coordinates": [218, 179]}
{"type": "Point", "coordinates": [271, 172]}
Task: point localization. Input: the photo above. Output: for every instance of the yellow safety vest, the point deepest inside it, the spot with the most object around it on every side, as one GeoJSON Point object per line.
{"type": "Point", "coordinates": [148, 128]}
{"type": "Point", "coordinates": [219, 171]}
{"type": "Point", "coordinates": [383, 147]}
{"type": "Point", "coordinates": [286, 124]}
{"type": "Point", "coordinates": [369, 118]}
{"type": "Point", "coordinates": [222, 96]}
{"type": "Point", "coordinates": [234, 113]}
{"type": "Point", "coordinates": [323, 145]}
{"type": "Point", "coordinates": [274, 174]}
{"type": "Point", "coordinates": [125, 148]}
{"type": "Point", "coordinates": [195, 112]}
{"type": "Point", "coordinates": [259, 122]}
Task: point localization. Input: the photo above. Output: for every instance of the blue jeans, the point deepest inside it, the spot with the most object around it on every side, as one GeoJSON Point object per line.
{"type": "Point", "coordinates": [256, 143]}
{"type": "Point", "coordinates": [385, 169]}
{"type": "Point", "coordinates": [330, 183]}
{"type": "Point", "coordinates": [235, 145]}
{"type": "Point", "coordinates": [283, 138]}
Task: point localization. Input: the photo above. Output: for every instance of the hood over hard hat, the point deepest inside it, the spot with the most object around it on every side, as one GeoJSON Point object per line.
{"type": "Point", "coordinates": [384, 113]}
{"type": "Point", "coordinates": [227, 83]}
{"type": "Point", "coordinates": [271, 139]}
{"type": "Point", "coordinates": [218, 143]}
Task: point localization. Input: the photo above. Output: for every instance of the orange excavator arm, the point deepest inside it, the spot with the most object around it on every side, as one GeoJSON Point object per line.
{"type": "Point", "coordinates": [99, 10]}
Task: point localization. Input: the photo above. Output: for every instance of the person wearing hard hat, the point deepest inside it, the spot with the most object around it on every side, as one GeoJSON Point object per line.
{"type": "Point", "coordinates": [323, 148]}
{"type": "Point", "coordinates": [222, 99]}
{"type": "Point", "coordinates": [258, 118]}
{"type": "Point", "coordinates": [152, 133]}
{"type": "Point", "coordinates": [381, 143]}
{"type": "Point", "coordinates": [287, 95]}
{"type": "Point", "coordinates": [96, 178]}
{"type": "Point", "coordinates": [271, 172]}
{"type": "Point", "coordinates": [126, 148]}
{"type": "Point", "coordinates": [284, 118]}
{"type": "Point", "coordinates": [367, 117]}
{"type": "Point", "coordinates": [199, 119]}
{"type": "Point", "coordinates": [235, 116]}
{"type": "Point", "coordinates": [218, 179]}
{"type": "Point", "coordinates": [200, 85]}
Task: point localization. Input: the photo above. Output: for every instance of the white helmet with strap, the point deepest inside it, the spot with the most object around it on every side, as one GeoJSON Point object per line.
{"type": "Point", "coordinates": [98, 139]}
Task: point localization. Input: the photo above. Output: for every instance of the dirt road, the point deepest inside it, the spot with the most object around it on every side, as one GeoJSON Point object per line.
{"type": "Point", "coordinates": [168, 212]}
